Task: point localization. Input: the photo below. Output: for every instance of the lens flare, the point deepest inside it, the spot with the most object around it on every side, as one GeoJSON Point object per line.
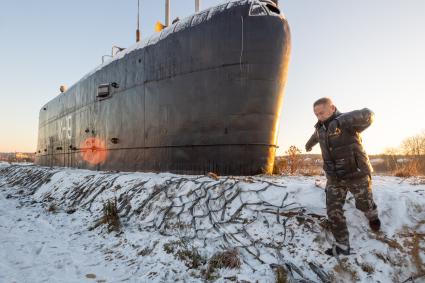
{"type": "Point", "coordinates": [93, 151]}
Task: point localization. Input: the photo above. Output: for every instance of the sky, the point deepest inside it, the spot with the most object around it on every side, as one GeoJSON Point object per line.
{"type": "Point", "coordinates": [361, 53]}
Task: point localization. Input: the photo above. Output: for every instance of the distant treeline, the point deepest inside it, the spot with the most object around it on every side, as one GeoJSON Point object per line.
{"type": "Point", "coordinates": [17, 157]}
{"type": "Point", "coordinates": [406, 160]}
{"type": "Point", "coordinates": [311, 164]}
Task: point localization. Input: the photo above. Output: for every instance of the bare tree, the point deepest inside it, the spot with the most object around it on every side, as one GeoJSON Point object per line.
{"type": "Point", "coordinates": [414, 145]}
{"type": "Point", "coordinates": [391, 161]}
{"type": "Point", "coordinates": [414, 148]}
{"type": "Point", "coordinates": [293, 158]}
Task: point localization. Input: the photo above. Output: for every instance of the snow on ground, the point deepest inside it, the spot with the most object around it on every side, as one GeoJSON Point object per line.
{"type": "Point", "coordinates": [51, 228]}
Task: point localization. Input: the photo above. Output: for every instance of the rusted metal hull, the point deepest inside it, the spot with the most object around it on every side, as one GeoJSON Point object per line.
{"type": "Point", "coordinates": [203, 95]}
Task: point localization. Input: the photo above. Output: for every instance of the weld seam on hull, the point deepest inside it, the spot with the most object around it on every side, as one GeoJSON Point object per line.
{"type": "Point", "coordinates": [166, 146]}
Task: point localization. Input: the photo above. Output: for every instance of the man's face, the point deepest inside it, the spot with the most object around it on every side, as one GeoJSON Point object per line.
{"type": "Point", "coordinates": [324, 111]}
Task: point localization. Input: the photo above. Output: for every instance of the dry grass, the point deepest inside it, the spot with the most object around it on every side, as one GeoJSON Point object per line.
{"type": "Point", "coordinates": [413, 243]}
{"type": "Point", "coordinates": [409, 169]}
{"type": "Point", "coordinates": [390, 242]}
{"type": "Point", "coordinates": [110, 215]}
{"type": "Point", "coordinates": [71, 210]}
{"type": "Point", "coordinates": [213, 175]}
{"type": "Point", "coordinates": [190, 257]}
{"type": "Point", "coordinates": [52, 208]}
{"type": "Point", "coordinates": [418, 181]}
{"type": "Point", "coordinates": [281, 274]}
{"type": "Point", "coordinates": [416, 252]}
{"type": "Point", "coordinates": [382, 256]}
{"type": "Point", "coordinates": [311, 171]}
{"type": "Point", "coordinates": [344, 271]}
{"type": "Point", "coordinates": [181, 250]}
{"type": "Point", "coordinates": [226, 259]}
{"type": "Point", "coordinates": [148, 250]}
{"type": "Point", "coordinates": [366, 267]}
{"type": "Point", "coordinates": [91, 276]}
{"type": "Point", "coordinates": [169, 248]}
{"type": "Point", "coordinates": [297, 165]}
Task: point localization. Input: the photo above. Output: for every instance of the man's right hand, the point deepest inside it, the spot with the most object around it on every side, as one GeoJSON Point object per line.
{"type": "Point", "coordinates": [312, 141]}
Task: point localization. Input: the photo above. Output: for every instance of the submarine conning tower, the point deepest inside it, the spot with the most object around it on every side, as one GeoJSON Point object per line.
{"type": "Point", "coordinates": [203, 95]}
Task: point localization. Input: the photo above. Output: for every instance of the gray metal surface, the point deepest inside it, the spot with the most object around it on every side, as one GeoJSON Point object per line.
{"type": "Point", "coordinates": [203, 95]}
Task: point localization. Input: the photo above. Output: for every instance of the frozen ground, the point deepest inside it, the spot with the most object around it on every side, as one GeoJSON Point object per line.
{"type": "Point", "coordinates": [172, 225]}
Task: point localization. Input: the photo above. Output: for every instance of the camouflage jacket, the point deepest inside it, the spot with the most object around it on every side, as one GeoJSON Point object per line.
{"type": "Point", "coordinates": [341, 144]}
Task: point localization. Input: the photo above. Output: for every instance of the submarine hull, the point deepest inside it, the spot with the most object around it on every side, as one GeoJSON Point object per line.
{"type": "Point", "coordinates": [204, 95]}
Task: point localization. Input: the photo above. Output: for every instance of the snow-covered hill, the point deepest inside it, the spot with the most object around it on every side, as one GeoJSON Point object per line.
{"type": "Point", "coordinates": [175, 228]}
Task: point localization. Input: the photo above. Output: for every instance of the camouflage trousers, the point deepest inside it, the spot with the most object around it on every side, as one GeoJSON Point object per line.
{"type": "Point", "coordinates": [336, 192]}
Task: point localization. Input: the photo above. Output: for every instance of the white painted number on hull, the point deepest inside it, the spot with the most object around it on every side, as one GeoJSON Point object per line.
{"type": "Point", "coordinates": [65, 128]}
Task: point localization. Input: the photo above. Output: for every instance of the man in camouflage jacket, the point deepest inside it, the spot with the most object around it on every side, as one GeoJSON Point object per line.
{"type": "Point", "coordinates": [346, 166]}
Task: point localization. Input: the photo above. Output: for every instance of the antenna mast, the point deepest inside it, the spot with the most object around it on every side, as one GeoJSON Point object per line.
{"type": "Point", "coordinates": [167, 13]}
{"type": "Point", "coordinates": [138, 22]}
{"type": "Point", "coordinates": [197, 5]}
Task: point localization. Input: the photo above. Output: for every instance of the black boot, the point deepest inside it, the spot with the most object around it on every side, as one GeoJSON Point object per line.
{"type": "Point", "coordinates": [334, 251]}
{"type": "Point", "coordinates": [375, 225]}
